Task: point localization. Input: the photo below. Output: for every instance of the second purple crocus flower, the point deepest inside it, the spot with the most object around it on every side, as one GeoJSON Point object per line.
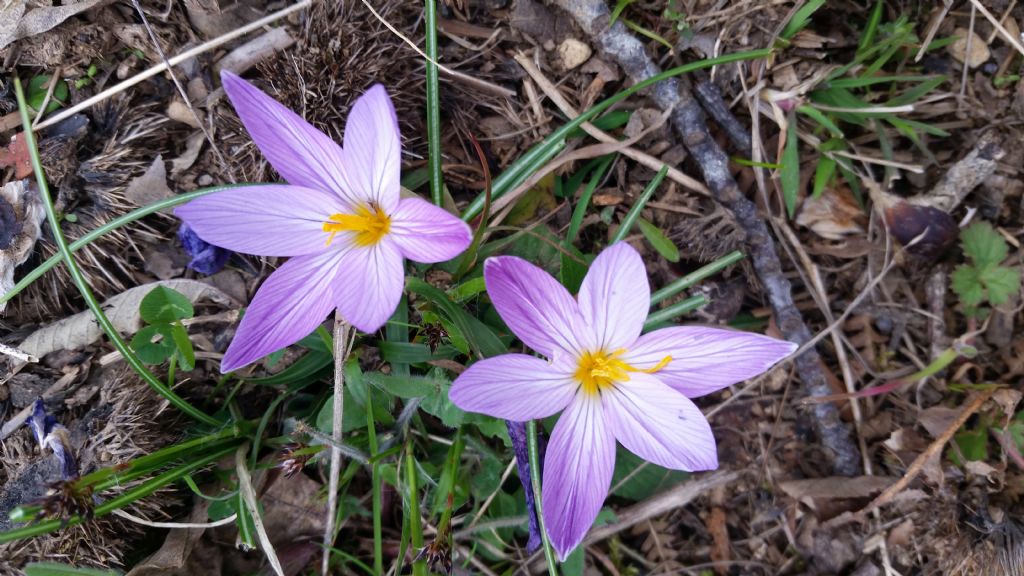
{"type": "Point", "coordinates": [339, 218]}
{"type": "Point", "coordinates": [612, 382]}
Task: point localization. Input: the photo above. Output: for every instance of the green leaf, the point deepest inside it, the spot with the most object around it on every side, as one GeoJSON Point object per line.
{"type": "Point", "coordinates": [413, 353]}
{"type": "Point", "coordinates": [186, 355]}
{"type": "Point", "coordinates": [983, 244]}
{"type": "Point", "coordinates": [154, 344]}
{"type": "Point", "coordinates": [966, 282]}
{"type": "Point", "coordinates": [659, 241]}
{"type": "Point", "coordinates": [800, 19]}
{"type": "Point", "coordinates": [57, 569]}
{"type": "Point", "coordinates": [973, 444]}
{"type": "Point", "coordinates": [572, 272]}
{"type": "Point", "coordinates": [405, 386]}
{"type": "Point", "coordinates": [437, 404]}
{"type": "Point", "coordinates": [1000, 283]}
{"type": "Point", "coordinates": [37, 88]}
{"type": "Point", "coordinates": [164, 304]}
{"type": "Point", "coordinates": [820, 117]}
{"type": "Point", "coordinates": [789, 176]}
{"type": "Point", "coordinates": [483, 341]}
{"type": "Point", "coordinates": [643, 482]}
{"type": "Point", "coordinates": [823, 175]}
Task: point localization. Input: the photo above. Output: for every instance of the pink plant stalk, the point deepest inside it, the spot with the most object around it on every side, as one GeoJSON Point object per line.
{"type": "Point", "coordinates": [339, 218]}
{"type": "Point", "coordinates": [612, 382]}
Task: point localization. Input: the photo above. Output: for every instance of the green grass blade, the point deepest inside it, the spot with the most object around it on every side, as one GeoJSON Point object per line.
{"type": "Point", "coordinates": [789, 176]}
{"type": "Point", "coordinates": [641, 202]}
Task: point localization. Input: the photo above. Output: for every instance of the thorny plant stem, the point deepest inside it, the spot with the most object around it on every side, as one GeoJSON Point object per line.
{"type": "Point", "coordinates": [534, 452]}
{"type": "Point", "coordinates": [83, 286]}
{"type": "Point", "coordinates": [537, 156]}
{"type": "Point", "coordinates": [378, 534]}
{"type": "Point", "coordinates": [419, 567]}
{"type": "Point", "coordinates": [341, 350]}
{"type": "Point", "coordinates": [691, 279]}
{"type": "Point", "coordinates": [433, 106]}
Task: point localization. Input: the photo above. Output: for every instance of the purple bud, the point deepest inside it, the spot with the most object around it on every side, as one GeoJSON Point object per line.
{"type": "Point", "coordinates": [517, 432]}
{"type": "Point", "coordinates": [206, 258]}
{"type": "Point", "coordinates": [50, 434]}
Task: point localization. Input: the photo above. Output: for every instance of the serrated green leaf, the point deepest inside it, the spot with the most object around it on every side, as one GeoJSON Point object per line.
{"type": "Point", "coordinates": [1000, 283]}
{"type": "Point", "coordinates": [983, 244]}
{"type": "Point", "coordinates": [967, 285]}
{"type": "Point", "coordinates": [164, 304]}
{"type": "Point", "coordinates": [659, 241]}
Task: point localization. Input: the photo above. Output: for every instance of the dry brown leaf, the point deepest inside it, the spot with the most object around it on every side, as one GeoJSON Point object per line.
{"type": "Point", "coordinates": [151, 186]}
{"type": "Point", "coordinates": [836, 487]}
{"type": "Point", "coordinates": [16, 22]}
{"type": "Point", "coordinates": [176, 548]}
{"type": "Point", "coordinates": [122, 310]}
{"type": "Point", "coordinates": [192, 147]}
{"type": "Point", "coordinates": [833, 215]}
{"type": "Point", "coordinates": [21, 216]}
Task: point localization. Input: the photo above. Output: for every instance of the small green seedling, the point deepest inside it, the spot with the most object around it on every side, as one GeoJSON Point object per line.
{"type": "Point", "coordinates": [37, 88]}
{"type": "Point", "coordinates": [165, 336]}
{"type": "Point", "coordinates": [984, 279]}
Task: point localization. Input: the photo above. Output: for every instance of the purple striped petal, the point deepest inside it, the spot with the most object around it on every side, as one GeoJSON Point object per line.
{"type": "Point", "coordinates": [266, 220]}
{"type": "Point", "coordinates": [426, 233]}
{"type": "Point", "coordinates": [301, 154]}
{"type": "Point", "coordinates": [659, 424]}
{"type": "Point", "coordinates": [370, 286]}
{"type": "Point", "coordinates": [706, 359]}
{"type": "Point", "coordinates": [513, 387]}
{"type": "Point", "coordinates": [577, 472]}
{"type": "Point", "coordinates": [615, 297]}
{"type": "Point", "coordinates": [373, 150]}
{"type": "Point", "coordinates": [290, 304]}
{"type": "Point", "coordinates": [534, 305]}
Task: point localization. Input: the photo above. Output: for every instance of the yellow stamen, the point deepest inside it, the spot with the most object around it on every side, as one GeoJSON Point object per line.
{"type": "Point", "coordinates": [370, 224]}
{"type": "Point", "coordinates": [598, 370]}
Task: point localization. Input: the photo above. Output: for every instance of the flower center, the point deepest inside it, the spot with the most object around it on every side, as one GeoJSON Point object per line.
{"type": "Point", "coordinates": [598, 370]}
{"type": "Point", "coordinates": [370, 224]}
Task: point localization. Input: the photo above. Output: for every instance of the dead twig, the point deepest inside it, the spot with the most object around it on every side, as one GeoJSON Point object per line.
{"type": "Point", "coordinates": [688, 118]}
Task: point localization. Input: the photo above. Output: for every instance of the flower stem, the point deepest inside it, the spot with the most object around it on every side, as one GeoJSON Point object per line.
{"type": "Point", "coordinates": [531, 443]}
{"type": "Point", "coordinates": [696, 276]}
{"type": "Point", "coordinates": [83, 286]}
{"type": "Point", "coordinates": [433, 106]}
{"type": "Point", "coordinates": [378, 534]}
{"type": "Point", "coordinates": [341, 350]}
{"type": "Point", "coordinates": [419, 567]}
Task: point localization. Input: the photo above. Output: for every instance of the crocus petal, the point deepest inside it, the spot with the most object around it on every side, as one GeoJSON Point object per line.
{"type": "Point", "coordinates": [373, 150]}
{"type": "Point", "coordinates": [577, 472]}
{"type": "Point", "coordinates": [513, 387]}
{"type": "Point", "coordinates": [659, 424]}
{"type": "Point", "coordinates": [266, 220]}
{"type": "Point", "coordinates": [615, 297]}
{"type": "Point", "coordinates": [534, 305]}
{"type": "Point", "coordinates": [290, 304]}
{"type": "Point", "coordinates": [370, 287]}
{"type": "Point", "coordinates": [426, 233]}
{"type": "Point", "coordinates": [301, 154]}
{"type": "Point", "coordinates": [706, 359]}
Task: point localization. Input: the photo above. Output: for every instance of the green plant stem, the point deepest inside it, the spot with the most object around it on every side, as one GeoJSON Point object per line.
{"type": "Point", "coordinates": [433, 106]}
{"type": "Point", "coordinates": [107, 228]}
{"type": "Point", "coordinates": [419, 568]}
{"type": "Point", "coordinates": [542, 152]}
{"type": "Point", "coordinates": [83, 286]}
{"type": "Point", "coordinates": [680, 284]}
{"type": "Point", "coordinates": [677, 309]}
{"type": "Point", "coordinates": [378, 510]}
{"type": "Point", "coordinates": [534, 457]}
{"type": "Point", "coordinates": [638, 206]}
{"type": "Point", "coordinates": [129, 496]}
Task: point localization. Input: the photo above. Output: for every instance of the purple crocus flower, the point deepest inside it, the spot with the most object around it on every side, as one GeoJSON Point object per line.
{"type": "Point", "coordinates": [339, 217]}
{"type": "Point", "coordinates": [612, 383]}
{"type": "Point", "coordinates": [206, 258]}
